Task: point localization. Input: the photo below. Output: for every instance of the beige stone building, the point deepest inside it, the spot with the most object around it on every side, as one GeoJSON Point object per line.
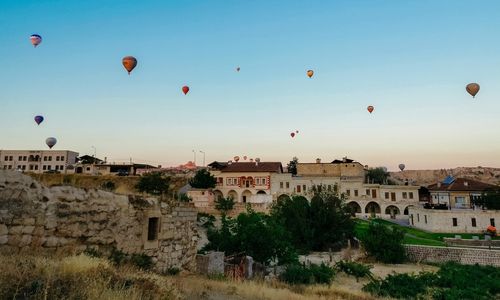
{"type": "Point", "coordinates": [348, 177]}
{"type": "Point", "coordinates": [38, 161]}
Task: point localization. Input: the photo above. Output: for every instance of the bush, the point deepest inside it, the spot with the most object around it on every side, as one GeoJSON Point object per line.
{"type": "Point", "coordinates": [109, 186]}
{"type": "Point", "coordinates": [92, 252]}
{"type": "Point", "coordinates": [355, 269]}
{"type": "Point", "coordinates": [203, 180]}
{"type": "Point", "coordinates": [206, 220]}
{"type": "Point", "coordinates": [184, 198]}
{"type": "Point", "coordinates": [173, 271]}
{"type": "Point", "coordinates": [385, 244]}
{"type": "Point", "coordinates": [117, 257]}
{"type": "Point", "coordinates": [153, 183]}
{"type": "Point", "coordinates": [299, 274]}
{"type": "Point", "coordinates": [142, 261]}
{"type": "Point", "coordinates": [401, 286]}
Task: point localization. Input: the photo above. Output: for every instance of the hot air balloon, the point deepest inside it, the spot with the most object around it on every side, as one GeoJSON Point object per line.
{"type": "Point", "coordinates": [244, 157]}
{"type": "Point", "coordinates": [401, 167]}
{"type": "Point", "coordinates": [237, 69]}
{"type": "Point", "coordinates": [473, 89]}
{"type": "Point", "coordinates": [370, 108]}
{"type": "Point", "coordinates": [292, 134]}
{"type": "Point", "coordinates": [236, 158]}
{"type": "Point", "coordinates": [51, 141]}
{"type": "Point", "coordinates": [257, 159]}
{"type": "Point", "coordinates": [185, 89]}
{"type": "Point", "coordinates": [310, 73]}
{"type": "Point", "coordinates": [38, 119]}
{"type": "Point", "coordinates": [129, 62]}
{"type": "Point", "coordinates": [296, 131]}
{"type": "Point", "coordinates": [35, 40]}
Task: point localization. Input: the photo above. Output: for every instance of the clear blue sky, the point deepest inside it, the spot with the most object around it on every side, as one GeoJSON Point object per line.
{"type": "Point", "coordinates": [410, 59]}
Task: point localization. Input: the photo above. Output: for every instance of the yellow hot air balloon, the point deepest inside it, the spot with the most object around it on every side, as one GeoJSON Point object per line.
{"type": "Point", "coordinates": [310, 73]}
{"type": "Point", "coordinates": [129, 62]}
{"type": "Point", "coordinates": [472, 88]}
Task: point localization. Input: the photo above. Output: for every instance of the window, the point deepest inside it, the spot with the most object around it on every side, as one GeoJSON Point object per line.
{"type": "Point", "coordinates": [492, 222]}
{"type": "Point", "coordinates": [257, 181]}
{"type": "Point", "coordinates": [153, 229]}
{"type": "Point", "coordinates": [44, 168]}
{"type": "Point", "coordinates": [355, 193]}
{"type": "Point", "coordinates": [455, 223]}
{"type": "Point", "coordinates": [393, 196]}
{"type": "Point", "coordinates": [20, 158]}
{"type": "Point", "coordinates": [36, 167]}
{"type": "Point", "coordinates": [263, 181]}
{"type": "Point", "coordinates": [62, 158]}
{"type": "Point", "coordinates": [405, 195]}
{"type": "Point", "coordinates": [49, 167]}
{"type": "Point", "coordinates": [288, 185]}
{"type": "Point", "coordinates": [425, 219]}
{"type": "Point", "coordinates": [25, 158]}
{"type": "Point", "coordinates": [6, 158]}
{"type": "Point", "coordinates": [298, 188]}
{"type": "Point", "coordinates": [10, 167]}
{"type": "Point", "coordinates": [281, 184]}
{"type": "Point", "coordinates": [11, 158]}
{"type": "Point", "coordinates": [31, 167]}
{"type": "Point", "coordinates": [304, 188]}
{"type": "Point", "coordinates": [374, 193]}
{"type": "Point", "coordinates": [45, 158]}
{"type": "Point", "coordinates": [367, 192]}
{"type": "Point", "coordinates": [386, 195]}
{"type": "Point", "coordinates": [418, 217]}
{"type": "Point", "coordinates": [329, 187]}
{"type": "Point", "coordinates": [229, 181]}
{"type": "Point", "coordinates": [24, 167]}
{"type": "Point", "coordinates": [411, 195]}
{"type": "Point", "coordinates": [50, 158]}
{"type": "Point", "coordinates": [348, 192]}
{"type": "Point", "coordinates": [473, 221]}
{"type": "Point", "coordinates": [411, 219]}
{"type": "Point", "coordinates": [57, 158]}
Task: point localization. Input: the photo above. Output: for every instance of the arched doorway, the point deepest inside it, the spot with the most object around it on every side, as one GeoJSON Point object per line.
{"type": "Point", "coordinates": [392, 211]}
{"type": "Point", "coordinates": [354, 207]}
{"type": "Point", "coordinates": [372, 208]}
{"type": "Point", "coordinates": [261, 192]}
{"type": "Point", "coordinates": [232, 194]}
{"type": "Point", "coordinates": [405, 212]}
{"type": "Point", "coordinates": [79, 170]}
{"type": "Point", "coordinates": [246, 196]}
{"type": "Point", "coordinates": [217, 194]}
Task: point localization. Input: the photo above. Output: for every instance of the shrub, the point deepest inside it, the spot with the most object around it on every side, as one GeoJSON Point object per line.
{"type": "Point", "coordinates": [355, 269]}
{"type": "Point", "coordinates": [109, 186]}
{"type": "Point", "coordinates": [153, 183]}
{"type": "Point", "coordinates": [117, 257]}
{"type": "Point", "coordinates": [141, 261]}
{"type": "Point", "coordinates": [173, 271]}
{"type": "Point", "coordinates": [300, 274]}
{"type": "Point", "coordinates": [184, 198]}
{"type": "Point", "coordinates": [92, 252]}
{"type": "Point", "coordinates": [401, 286]}
{"type": "Point", "coordinates": [206, 220]}
{"type": "Point", "coordinates": [385, 244]}
{"type": "Point", "coordinates": [203, 180]}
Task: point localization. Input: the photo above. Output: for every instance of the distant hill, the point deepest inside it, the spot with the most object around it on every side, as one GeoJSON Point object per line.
{"type": "Point", "coordinates": [426, 177]}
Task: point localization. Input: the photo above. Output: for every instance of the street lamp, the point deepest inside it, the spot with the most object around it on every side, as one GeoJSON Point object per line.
{"type": "Point", "coordinates": [194, 152]}
{"type": "Point", "coordinates": [94, 171]}
{"type": "Point", "coordinates": [203, 157]}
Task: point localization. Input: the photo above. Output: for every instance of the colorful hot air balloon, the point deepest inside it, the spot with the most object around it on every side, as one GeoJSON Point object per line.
{"type": "Point", "coordinates": [401, 167]}
{"type": "Point", "coordinates": [370, 108]}
{"type": "Point", "coordinates": [237, 69]}
{"type": "Point", "coordinates": [292, 134]}
{"type": "Point", "coordinates": [38, 119]}
{"type": "Point", "coordinates": [236, 158]}
{"type": "Point", "coordinates": [473, 89]}
{"type": "Point", "coordinates": [129, 62]}
{"type": "Point", "coordinates": [185, 89]}
{"type": "Point", "coordinates": [310, 73]}
{"type": "Point", "coordinates": [35, 40]}
{"type": "Point", "coordinates": [51, 141]}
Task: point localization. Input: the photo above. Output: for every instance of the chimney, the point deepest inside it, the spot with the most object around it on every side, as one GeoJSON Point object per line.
{"type": "Point", "coordinates": [318, 160]}
{"type": "Point", "coordinates": [439, 184]}
{"type": "Point", "coordinates": [466, 183]}
{"type": "Point", "coordinates": [344, 159]}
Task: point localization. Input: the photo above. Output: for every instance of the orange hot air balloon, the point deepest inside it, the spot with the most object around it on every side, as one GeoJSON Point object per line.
{"type": "Point", "coordinates": [185, 89]}
{"type": "Point", "coordinates": [292, 134]}
{"type": "Point", "coordinates": [310, 73]}
{"type": "Point", "coordinates": [472, 89]}
{"type": "Point", "coordinates": [129, 62]}
{"type": "Point", "coordinates": [370, 108]}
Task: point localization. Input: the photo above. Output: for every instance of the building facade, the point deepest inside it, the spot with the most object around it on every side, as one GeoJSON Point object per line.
{"type": "Point", "coordinates": [245, 182]}
{"type": "Point", "coordinates": [38, 161]}
{"type": "Point", "coordinates": [457, 193]}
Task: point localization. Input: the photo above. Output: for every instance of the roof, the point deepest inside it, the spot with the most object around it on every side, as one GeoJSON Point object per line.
{"type": "Point", "coordinates": [343, 161]}
{"type": "Point", "coordinates": [274, 167]}
{"type": "Point", "coordinates": [462, 184]}
{"type": "Point", "coordinates": [217, 165]}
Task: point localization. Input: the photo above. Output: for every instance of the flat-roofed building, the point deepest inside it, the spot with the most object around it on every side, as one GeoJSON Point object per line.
{"type": "Point", "coordinates": [38, 161]}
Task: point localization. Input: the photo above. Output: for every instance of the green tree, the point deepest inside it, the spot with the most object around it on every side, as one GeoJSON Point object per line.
{"type": "Point", "coordinates": [224, 205]}
{"type": "Point", "coordinates": [384, 243]}
{"type": "Point", "coordinates": [378, 175]}
{"type": "Point", "coordinates": [292, 166]}
{"type": "Point", "coordinates": [203, 180]}
{"type": "Point", "coordinates": [153, 183]}
{"type": "Point", "coordinates": [489, 199]}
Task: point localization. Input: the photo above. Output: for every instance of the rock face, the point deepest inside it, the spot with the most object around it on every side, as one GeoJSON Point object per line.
{"type": "Point", "coordinates": [427, 177]}
{"type": "Point", "coordinates": [67, 219]}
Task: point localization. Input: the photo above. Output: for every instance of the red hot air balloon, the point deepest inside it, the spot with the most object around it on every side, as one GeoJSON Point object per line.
{"type": "Point", "coordinates": [472, 89]}
{"type": "Point", "coordinates": [185, 89]}
{"type": "Point", "coordinates": [38, 119]}
{"type": "Point", "coordinates": [370, 109]}
{"type": "Point", "coordinates": [35, 40]}
{"type": "Point", "coordinates": [292, 134]}
{"type": "Point", "coordinates": [129, 62]}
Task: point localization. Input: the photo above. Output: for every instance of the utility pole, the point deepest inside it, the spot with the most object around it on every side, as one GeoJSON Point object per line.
{"type": "Point", "coordinates": [194, 161]}
{"type": "Point", "coordinates": [203, 157]}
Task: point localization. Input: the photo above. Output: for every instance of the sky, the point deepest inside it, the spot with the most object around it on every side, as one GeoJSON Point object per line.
{"type": "Point", "coordinates": [409, 59]}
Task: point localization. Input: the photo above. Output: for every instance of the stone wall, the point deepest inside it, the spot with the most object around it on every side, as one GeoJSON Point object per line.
{"type": "Point", "coordinates": [210, 263]}
{"type": "Point", "coordinates": [466, 256]}
{"type": "Point", "coordinates": [64, 219]}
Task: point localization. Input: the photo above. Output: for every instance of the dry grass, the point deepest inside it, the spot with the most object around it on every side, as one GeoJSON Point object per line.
{"type": "Point", "coordinates": [77, 277]}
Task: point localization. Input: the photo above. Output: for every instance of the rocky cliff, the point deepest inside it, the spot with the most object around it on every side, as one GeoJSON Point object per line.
{"type": "Point", "coordinates": [426, 177]}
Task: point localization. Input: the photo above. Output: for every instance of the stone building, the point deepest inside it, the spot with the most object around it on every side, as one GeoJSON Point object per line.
{"type": "Point", "coordinates": [37, 161]}
{"type": "Point", "coordinates": [65, 219]}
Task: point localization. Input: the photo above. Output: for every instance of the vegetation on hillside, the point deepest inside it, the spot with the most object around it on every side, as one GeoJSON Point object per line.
{"type": "Point", "coordinates": [153, 183]}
